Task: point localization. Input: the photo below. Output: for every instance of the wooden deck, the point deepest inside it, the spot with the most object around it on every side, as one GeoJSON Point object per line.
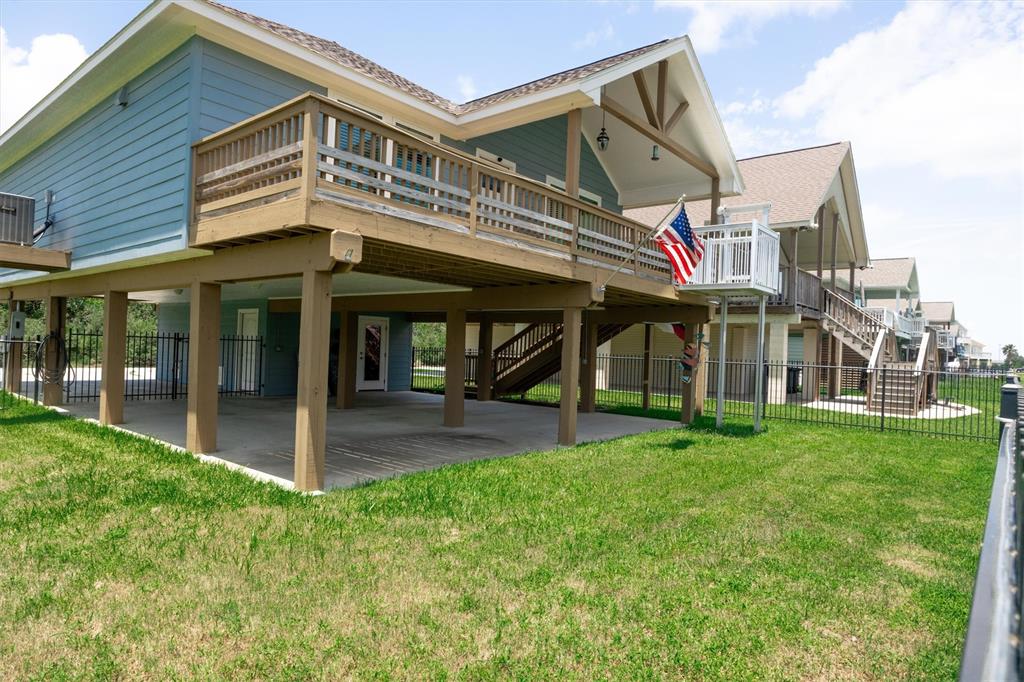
{"type": "Point", "coordinates": [424, 210]}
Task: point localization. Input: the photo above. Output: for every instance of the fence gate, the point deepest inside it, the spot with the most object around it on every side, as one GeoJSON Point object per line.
{"type": "Point", "coordinates": [156, 366]}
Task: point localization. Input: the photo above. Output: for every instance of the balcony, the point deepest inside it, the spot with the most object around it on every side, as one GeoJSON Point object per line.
{"type": "Point", "coordinates": [314, 164]}
{"type": "Point", "coordinates": [904, 326]}
{"type": "Point", "coordinates": [740, 259]}
{"type": "Point", "coordinates": [945, 340]}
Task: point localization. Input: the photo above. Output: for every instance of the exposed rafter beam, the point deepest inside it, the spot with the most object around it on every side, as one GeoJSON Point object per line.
{"type": "Point", "coordinates": [674, 118]}
{"type": "Point", "coordinates": [645, 98]}
{"type": "Point", "coordinates": [662, 91]}
{"type": "Point", "coordinates": [620, 112]}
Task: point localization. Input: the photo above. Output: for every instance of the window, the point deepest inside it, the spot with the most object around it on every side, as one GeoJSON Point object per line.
{"type": "Point", "coordinates": [488, 182]}
{"type": "Point", "coordinates": [585, 195]}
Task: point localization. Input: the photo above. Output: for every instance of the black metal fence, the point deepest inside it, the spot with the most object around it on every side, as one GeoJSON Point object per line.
{"type": "Point", "coordinates": [947, 404]}
{"type": "Point", "coordinates": [156, 366]}
{"type": "Point", "coordinates": [993, 646]}
{"type": "Point", "coordinates": [16, 360]}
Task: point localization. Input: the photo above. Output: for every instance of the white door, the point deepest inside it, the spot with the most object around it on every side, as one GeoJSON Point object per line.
{"type": "Point", "coordinates": [372, 360]}
{"type": "Point", "coordinates": [247, 348]}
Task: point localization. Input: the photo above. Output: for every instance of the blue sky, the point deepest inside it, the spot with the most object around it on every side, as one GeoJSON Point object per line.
{"type": "Point", "coordinates": [929, 94]}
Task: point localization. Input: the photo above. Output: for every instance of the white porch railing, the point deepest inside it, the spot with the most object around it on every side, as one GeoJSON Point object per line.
{"type": "Point", "coordinates": [945, 339]}
{"type": "Point", "coordinates": [904, 326]}
{"type": "Point", "coordinates": [739, 258]}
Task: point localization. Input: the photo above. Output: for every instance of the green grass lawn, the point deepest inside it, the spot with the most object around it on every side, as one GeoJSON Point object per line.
{"type": "Point", "coordinates": [801, 553]}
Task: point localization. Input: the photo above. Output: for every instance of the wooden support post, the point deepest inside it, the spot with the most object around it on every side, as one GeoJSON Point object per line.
{"type": "Point", "coordinates": [853, 272]}
{"type": "Point", "coordinates": [647, 368]}
{"type": "Point", "coordinates": [835, 247]}
{"type": "Point", "coordinates": [700, 374]}
{"type": "Point", "coordinates": [56, 313]}
{"type": "Point", "coordinates": [759, 365]}
{"type": "Point", "coordinates": [484, 359]}
{"type": "Point", "coordinates": [588, 376]}
{"type": "Point", "coordinates": [836, 361]}
{"type": "Point", "coordinates": [311, 393]}
{"type": "Point", "coordinates": [348, 345]}
{"type": "Point", "coordinates": [115, 341]}
{"type": "Point", "coordinates": [716, 200]}
{"type": "Point", "coordinates": [821, 240]}
{"type": "Point", "coordinates": [720, 390]}
{"type": "Point", "coordinates": [688, 405]}
{"type": "Point", "coordinates": [570, 375]}
{"type": "Point", "coordinates": [794, 267]}
{"type": "Point", "coordinates": [809, 374]}
{"type": "Point", "coordinates": [574, 132]}
{"type": "Point", "coordinates": [203, 362]}
{"type": "Point", "coordinates": [12, 380]}
{"type": "Point", "coordinates": [455, 368]}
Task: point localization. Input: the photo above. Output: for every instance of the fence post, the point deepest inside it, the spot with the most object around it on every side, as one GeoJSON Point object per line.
{"type": "Point", "coordinates": [175, 360]}
{"type": "Point", "coordinates": [884, 372]}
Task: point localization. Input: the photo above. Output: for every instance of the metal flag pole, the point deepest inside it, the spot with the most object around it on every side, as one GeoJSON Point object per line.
{"type": "Point", "coordinates": [643, 241]}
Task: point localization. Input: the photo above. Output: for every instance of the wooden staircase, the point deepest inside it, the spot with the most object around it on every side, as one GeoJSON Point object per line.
{"type": "Point", "coordinates": [535, 354]}
{"type": "Point", "coordinates": [843, 319]}
{"type": "Point", "coordinates": [905, 387]}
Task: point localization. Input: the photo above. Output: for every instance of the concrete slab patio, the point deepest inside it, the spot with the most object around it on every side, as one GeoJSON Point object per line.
{"type": "Point", "coordinates": [386, 434]}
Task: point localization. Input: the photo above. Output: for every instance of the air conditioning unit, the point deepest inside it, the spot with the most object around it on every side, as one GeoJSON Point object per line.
{"type": "Point", "coordinates": [17, 215]}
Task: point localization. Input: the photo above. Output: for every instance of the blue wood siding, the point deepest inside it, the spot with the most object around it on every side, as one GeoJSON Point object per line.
{"type": "Point", "coordinates": [538, 150]}
{"type": "Point", "coordinates": [233, 87]}
{"type": "Point", "coordinates": [120, 174]}
{"type": "Point", "coordinates": [282, 351]}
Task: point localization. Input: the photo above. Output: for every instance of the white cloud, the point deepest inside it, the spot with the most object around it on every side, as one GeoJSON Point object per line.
{"type": "Point", "coordinates": [26, 76]}
{"type": "Point", "coordinates": [467, 88]}
{"type": "Point", "coordinates": [598, 35]}
{"type": "Point", "coordinates": [939, 86]}
{"type": "Point", "coordinates": [716, 22]}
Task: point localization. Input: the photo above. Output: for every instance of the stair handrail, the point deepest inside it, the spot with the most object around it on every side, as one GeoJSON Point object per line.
{"type": "Point", "coordinates": [524, 345]}
{"type": "Point", "coordinates": [924, 351]}
{"type": "Point", "coordinates": [848, 315]}
{"type": "Point", "coordinates": [877, 361]}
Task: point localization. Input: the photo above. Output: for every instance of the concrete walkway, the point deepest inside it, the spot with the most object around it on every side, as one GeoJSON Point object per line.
{"type": "Point", "coordinates": [387, 434]}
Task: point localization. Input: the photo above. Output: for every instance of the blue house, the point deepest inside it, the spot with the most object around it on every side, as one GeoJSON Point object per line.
{"type": "Point", "coordinates": [255, 180]}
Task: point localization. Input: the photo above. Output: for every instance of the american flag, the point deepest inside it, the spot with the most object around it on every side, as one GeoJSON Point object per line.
{"type": "Point", "coordinates": [683, 248]}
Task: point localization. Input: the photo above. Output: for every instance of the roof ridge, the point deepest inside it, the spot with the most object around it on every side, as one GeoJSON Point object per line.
{"type": "Point", "coordinates": [793, 151]}
{"type": "Point", "coordinates": [343, 56]}
{"type": "Point", "coordinates": [570, 69]}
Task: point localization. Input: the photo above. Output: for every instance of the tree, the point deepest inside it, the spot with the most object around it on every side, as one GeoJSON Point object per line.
{"type": "Point", "coordinates": [1011, 357]}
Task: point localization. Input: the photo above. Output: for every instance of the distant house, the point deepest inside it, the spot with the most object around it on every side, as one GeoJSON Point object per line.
{"type": "Point", "coordinates": [816, 209]}
{"type": "Point", "coordinates": [954, 342]}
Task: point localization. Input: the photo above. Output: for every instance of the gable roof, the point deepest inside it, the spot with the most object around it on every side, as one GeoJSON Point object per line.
{"type": "Point", "coordinates": [345, 57]}
{"type": "Point", "coordinates": [795, 182]}
{"type": "Point", "coordinates": [165, 24]}
{"type": "Point", "coordinates": [938, 311]}
{"type": "Point", "coordinates": [890, 273]}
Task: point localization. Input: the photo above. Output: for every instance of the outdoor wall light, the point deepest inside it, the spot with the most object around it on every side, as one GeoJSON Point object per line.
{"type": "Point", "coordinates": [655, 153]}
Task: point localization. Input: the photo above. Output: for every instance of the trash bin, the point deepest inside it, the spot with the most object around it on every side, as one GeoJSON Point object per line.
{"type": "Point", "coordinates": [792, 380]}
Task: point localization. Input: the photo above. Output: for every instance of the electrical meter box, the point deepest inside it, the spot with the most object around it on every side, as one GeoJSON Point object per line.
{"type": "Point", "coordinates": [17, 330]}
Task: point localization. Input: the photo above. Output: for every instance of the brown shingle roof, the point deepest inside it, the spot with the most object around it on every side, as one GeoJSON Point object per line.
{"type": "Point", "coordinates": [937, 311]}
{"type": "Point", "coordinates": [352, 60]}
{"type": "Point", "coordinates": [795, 182]}
{"type": "Point", "coordinates": [886, 273]}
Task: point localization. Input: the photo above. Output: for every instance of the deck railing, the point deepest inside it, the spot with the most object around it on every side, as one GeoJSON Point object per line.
{"type": "Point", "coordinates": [738, 256]}
{"type": "Point", "coordinates": [851, 317]}
{"type": "Point", "coordinates": [319, 149]}
{"type": "Point", "coordinates": [904, 325]}
{"type": "Point", "coordinates": [945, 339]}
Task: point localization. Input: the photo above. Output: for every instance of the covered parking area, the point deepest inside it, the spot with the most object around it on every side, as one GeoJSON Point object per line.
{"type": "Point", "coordinates": [302, 430]}
{"type": "Point", "coordinates": [381, 436]}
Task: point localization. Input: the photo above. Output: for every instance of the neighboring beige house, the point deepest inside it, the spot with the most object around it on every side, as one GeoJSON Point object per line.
{"type": "Point", "coordinates": [958, 349]}
{"type": "Point", "coordinates": [815, 206]}
{"type": "Point", "coordinates": [889, 290]}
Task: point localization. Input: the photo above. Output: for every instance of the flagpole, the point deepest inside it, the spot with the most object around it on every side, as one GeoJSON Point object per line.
{"type": "Point", "coordinates": [643, 241]}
